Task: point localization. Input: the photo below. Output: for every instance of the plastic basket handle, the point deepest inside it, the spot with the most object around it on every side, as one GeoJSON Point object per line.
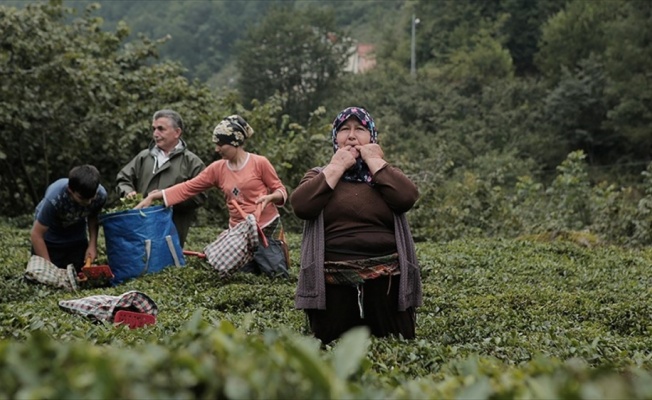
{"type": "Point", "coordinates": [168, 239]}
{"type": "Point", "coordinates": [148, 251]}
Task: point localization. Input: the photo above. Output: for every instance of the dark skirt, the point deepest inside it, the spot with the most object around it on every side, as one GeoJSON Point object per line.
{"type": "Point", "coordinates": [381, 313]}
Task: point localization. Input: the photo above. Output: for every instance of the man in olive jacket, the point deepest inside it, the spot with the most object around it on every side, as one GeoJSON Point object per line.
{"type": "Point", "coordinates": [165, 163]}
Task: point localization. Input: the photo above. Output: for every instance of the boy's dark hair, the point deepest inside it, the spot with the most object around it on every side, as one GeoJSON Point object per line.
{"type": "Point", "coordinates": [84, 179]}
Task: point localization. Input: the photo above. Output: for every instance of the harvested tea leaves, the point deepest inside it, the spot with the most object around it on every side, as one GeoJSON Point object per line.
{"type": "Point", "coordinates": [129, 203]}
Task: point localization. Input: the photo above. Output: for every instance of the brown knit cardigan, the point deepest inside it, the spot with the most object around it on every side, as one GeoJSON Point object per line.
{"type": "Point", "coordinates": [311, 288]}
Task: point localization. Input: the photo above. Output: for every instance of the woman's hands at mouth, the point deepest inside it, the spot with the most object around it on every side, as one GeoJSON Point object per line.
{"type": "Point", "coordinates": [344, 157]}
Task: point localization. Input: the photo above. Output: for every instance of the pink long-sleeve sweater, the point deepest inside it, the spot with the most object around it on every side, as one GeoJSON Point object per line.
{"type": "Point", "coordinates": [257, 177]}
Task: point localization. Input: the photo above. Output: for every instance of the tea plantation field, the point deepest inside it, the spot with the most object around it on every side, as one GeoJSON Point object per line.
{"type": "Point", "coordinates": [501, 319]}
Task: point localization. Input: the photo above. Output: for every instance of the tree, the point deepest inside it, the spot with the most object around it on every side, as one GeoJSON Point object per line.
{"type": "Point", "coordinates": [448, 25]}
{"type": "Point", "coordinates": [73, 94]}
{"type": "Point", "coordinates": [576, 108]}
{"type": "Point", "coordinates": [202, 33]}
{"type": "Point", "coordinates": [523, 29]}
{"type": "Point", "coordinates": [595, 57]}
{"type": "Point", "coordinates": [572, 35]}
{"type": "Point", "coordinates": [299, 54]}
{"type": "Point", "coordinates": [628, 56]}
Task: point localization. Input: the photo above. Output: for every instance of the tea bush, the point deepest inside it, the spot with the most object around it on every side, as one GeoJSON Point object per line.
{"type": "Point", "coordinates": [484, 203]}
{"type": "Point", "coordinates": [545, 317]}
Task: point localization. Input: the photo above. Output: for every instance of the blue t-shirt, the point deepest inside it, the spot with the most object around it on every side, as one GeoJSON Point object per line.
{"type": "Point", "coordinates": [64, 217]}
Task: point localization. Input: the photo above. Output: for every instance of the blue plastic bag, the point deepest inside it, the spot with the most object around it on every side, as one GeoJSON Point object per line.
{"type": "Point", "coordinates": [141, 242]}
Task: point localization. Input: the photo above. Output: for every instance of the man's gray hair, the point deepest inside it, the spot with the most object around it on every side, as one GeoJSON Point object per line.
{"type": "Point", "coordinates": [171, 115]}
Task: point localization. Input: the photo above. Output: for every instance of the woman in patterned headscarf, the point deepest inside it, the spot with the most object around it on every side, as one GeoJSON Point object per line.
{"type": "Point", "coordinates": [248, 178]}
{"type": "Point", "coordinates": [358, 262]}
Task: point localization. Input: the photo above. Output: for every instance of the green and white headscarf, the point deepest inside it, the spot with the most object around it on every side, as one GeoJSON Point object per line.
{"type": "Point", "coordinates": [233, 130]}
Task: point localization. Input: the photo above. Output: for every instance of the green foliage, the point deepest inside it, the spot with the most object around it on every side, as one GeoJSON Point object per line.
{"type": "Point", "coordinates": [445, 25]}
{"type": "Point", "coordinates": [571, 189]}
{"type": "Point", "coordinates": [573, 34]}
{"type": "Point", "coordinates": [297, 53]}
{"type": "Point", "coordinates": [523, 29]}
{"type": "Point", "coordinates": [528, 202]}
{"type": "Point", "coordinates": [494, 202]}
{"type": "Point", "coordinates": [201, 34]}
{"type": "Point", "coordinates": [501, 319]}
{"type": "Point", "coordinates": [594, 99]}
{"type": "Point", "coordinates": [591, 52]}
{"type": "Point", "coordinates": [627, 52]}
{"type": "Point", "coordinates": [98, 109]}
{"type": "Point", "coordinates": [565, 205]}
{"type": "Point", "coordinates": [614, 214]}
{"type": "Point", "coordinates": [128, 203]}
{"type": "Point", "coordinates": [576, 109]}
{"type": "Point", "coordinates": [72, 94]}
{"type": "Point", "coordinates": [480, 58]}
{"type": "Point", "coordinates": [477, 119]}
{"type": "Point", "coordinates": [642, 218]}
{"type": "Point", "coordinates": [201, 361]}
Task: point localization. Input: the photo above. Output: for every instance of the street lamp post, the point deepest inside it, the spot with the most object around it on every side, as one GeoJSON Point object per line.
{"type": "Point", "coordinates": [413, 56]}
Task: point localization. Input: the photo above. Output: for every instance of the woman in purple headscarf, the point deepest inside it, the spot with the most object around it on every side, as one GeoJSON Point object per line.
{"type": "Point", "coordinates": [358, 262]}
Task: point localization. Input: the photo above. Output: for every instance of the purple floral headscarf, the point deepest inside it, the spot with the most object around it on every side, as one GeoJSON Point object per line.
{"type": "Point", "coordinates": [360, 171]}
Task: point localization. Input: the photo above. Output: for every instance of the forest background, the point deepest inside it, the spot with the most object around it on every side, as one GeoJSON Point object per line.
{"type": "Point", "coordinates": [513, 116]}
